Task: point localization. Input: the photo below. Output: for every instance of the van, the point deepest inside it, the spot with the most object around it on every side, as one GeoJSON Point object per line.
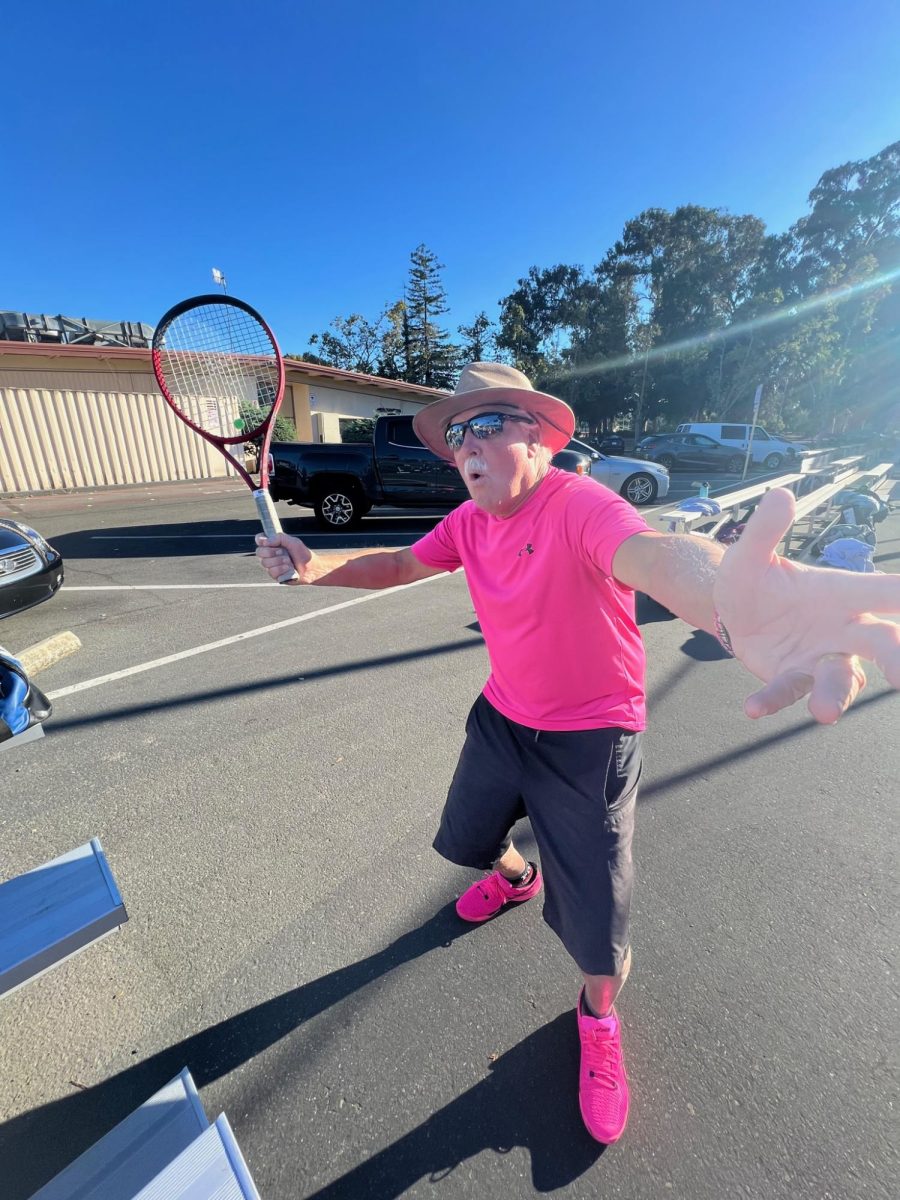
{"type": "Point", "coordinates": [771, 452]}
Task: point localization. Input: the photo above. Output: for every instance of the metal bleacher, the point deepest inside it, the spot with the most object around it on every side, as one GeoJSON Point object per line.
{"type": "Point", "coordinates": [50, 913]}
{"type": "Point", "coordinates": [166, 1149]}
{"type": "Point", "coordinates": [732, 505]}
{"type": "Point", "coordinates": [816, 510]}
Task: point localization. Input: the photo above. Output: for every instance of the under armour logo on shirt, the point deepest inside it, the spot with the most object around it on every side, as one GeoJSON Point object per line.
{"type": "Point", "coordinates": [526, 549]}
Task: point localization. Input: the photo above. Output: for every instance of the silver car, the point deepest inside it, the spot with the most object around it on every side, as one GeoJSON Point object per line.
{"type": "Point", "coordinates": [638, 481]}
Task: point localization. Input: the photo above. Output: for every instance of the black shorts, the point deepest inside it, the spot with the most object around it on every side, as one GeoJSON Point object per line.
{"type": "Point", "coordinates": [578, 788]}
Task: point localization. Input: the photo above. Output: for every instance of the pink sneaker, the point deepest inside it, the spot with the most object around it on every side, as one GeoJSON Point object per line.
{"type": "Point", "coordinates": [602, 1085]}
{"type": "Point", "coordinates": [485, 898]}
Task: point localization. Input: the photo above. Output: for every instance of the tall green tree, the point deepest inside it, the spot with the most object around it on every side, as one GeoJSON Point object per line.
{"type": "Point", "coordinates": [394, 353]}
{"type": "Point", "coordinates": [692, 269]}
{"type": "Point", "coordinates": [432, 359]}
{"type": "Point", "coordinates": [536, 317]}
{"type": "Point", "coordinates": [351, 343]}
{"type": "Point", "coordinates": [479, 340]}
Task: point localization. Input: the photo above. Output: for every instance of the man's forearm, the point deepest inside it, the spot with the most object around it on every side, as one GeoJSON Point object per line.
{"type": "Point", "coordinates": [677, 569]}
{"type": "Point", "coordinates": [684, 580]}
{"type": "Point", "coordinates": [355, 569]}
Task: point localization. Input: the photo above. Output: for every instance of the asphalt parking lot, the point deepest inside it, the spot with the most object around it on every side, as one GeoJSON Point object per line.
{"type": "Point", "coordinates": [265, 768]}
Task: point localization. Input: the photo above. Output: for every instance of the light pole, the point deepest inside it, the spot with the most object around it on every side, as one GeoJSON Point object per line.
{"type": "Point", "coordinates": [220, 279]}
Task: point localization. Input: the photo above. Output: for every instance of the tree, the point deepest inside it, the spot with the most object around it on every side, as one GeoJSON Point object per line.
{"type": "Point", "coordinates": [351, 343]}
{"type": "Point", "coordinates": [479, 342]}
{"type": "Point", "coordinates": [535, 318]}
{"type": "Point", "coordinates": [692, 269]}
{"type": "Point", "coordinates": [431, 359]}
{"type": "Point", "coordinates": [393, 359]}
{"type": "Point", "coordinates": [283, 428]}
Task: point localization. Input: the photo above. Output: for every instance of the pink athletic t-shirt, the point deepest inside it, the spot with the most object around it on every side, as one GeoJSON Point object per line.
{"type": "Point", "coordinates": [564, 648]}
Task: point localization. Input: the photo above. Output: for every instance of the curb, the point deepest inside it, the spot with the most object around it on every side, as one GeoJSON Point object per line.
{"type": "Point", "coordinates": [44, 654]}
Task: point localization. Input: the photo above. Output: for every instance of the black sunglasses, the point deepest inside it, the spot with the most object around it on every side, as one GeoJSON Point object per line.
{"type": "Point", "coordinates": [483, 425]}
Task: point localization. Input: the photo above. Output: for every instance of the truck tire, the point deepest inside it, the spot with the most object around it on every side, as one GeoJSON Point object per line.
{"type": "Point", "coordinates": [339, 508]}
{"type": "Point", "coordinates": [773, 461]}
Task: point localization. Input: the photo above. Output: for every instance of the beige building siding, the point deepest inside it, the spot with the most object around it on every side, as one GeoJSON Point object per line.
{"type": "Point", "coordinates": [86, 417]}
{"type": "Point", "coordinates": [56, 439]}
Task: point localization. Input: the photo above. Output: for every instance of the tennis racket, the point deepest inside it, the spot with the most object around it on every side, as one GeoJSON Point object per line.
{"type": "Point", "coordinates": [220, 370]}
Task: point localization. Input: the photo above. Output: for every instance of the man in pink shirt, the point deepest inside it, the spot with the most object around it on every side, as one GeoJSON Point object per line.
{"type": "Point", "coordinates": [552, 562]}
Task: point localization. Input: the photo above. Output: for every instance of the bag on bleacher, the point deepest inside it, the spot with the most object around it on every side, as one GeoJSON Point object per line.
{"type": "Point", "coordinates": [862, 505]}
{"type": "Point", "coordinates": [22, 703]}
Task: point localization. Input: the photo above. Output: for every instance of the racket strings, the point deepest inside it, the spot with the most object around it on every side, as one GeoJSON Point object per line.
{"type": "Point", "coordinates": [220, 368]}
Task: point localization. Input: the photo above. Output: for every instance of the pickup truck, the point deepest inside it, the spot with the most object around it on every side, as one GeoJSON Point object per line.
{"type": "Point", "coordinates": [342, 481]}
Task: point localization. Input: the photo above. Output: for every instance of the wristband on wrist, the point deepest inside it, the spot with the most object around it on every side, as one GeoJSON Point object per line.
{"type": "Point", "coordinates": [722, 634]}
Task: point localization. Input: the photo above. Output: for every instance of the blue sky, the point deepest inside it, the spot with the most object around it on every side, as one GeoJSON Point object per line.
{"type": "Point", "coordinates": [305, 148]}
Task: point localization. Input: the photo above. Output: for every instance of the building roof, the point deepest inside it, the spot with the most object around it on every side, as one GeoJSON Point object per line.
{"type": "Point", "coordinates": [134, 355]}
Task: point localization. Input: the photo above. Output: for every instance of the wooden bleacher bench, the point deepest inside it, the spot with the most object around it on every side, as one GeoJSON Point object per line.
{"type": "Point", "coordinates": [50, 913]}
{"type": "Point", "coordinates": [165, 1150]}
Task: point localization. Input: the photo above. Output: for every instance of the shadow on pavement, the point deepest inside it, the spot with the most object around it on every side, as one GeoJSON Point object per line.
{"type": "Point", "coordinates": [192, 539]}
{"type": "Point", "coordinates": [265, 684]}
{"type": "Point", "coordinates": [497, 1113]}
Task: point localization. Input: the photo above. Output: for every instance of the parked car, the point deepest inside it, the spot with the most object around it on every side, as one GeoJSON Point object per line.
{"type": "Point", "coordinates": [768, 451]}
{"type": "Point", "coordinates": [640, 482]}
{"type": "Point", "coordinates": [342, 481]}
{"type": "Point", "coordinates": [689, 451]}
{"type": "Point", "coordinates": [611, 443]}
{"type": "Point", "coordinates": [30, 569]}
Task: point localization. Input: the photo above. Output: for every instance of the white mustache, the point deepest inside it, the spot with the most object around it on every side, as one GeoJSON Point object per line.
{"type": "Point", "coordinates": [475, 466]}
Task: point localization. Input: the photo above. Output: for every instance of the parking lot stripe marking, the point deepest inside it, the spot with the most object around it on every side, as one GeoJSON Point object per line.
{"type": "Point", "coordinates": [230, 641]}
{"type": "Point", "coordinates": [162, 537]}
{"type": "Point", "coordinates": [161, 587]}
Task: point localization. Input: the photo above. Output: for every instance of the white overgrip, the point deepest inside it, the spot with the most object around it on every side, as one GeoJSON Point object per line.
{"type": "Point", "coordinates": [271, 525]}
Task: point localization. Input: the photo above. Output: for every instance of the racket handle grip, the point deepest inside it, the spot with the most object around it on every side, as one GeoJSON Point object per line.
{"type": "Point", "coordinates": [271, 525]}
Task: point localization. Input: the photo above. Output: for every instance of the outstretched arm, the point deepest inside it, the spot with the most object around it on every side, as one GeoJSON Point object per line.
{"type": "Point", "coordinates": [802, 630]}
{"type": "Point", "coordinates": [353, 568]}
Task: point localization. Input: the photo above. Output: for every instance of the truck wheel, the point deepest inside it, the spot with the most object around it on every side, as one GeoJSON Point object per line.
{"type": "Point", "coordinates": [773, 462]}
{"type": "Point", "coordinates": [640, 488]}
{"type": "Point", "coordinates": [339, 508]}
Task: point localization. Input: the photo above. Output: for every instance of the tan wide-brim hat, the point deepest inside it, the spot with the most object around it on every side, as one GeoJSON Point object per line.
{"type": "Point", "coordinates": [493, 386]}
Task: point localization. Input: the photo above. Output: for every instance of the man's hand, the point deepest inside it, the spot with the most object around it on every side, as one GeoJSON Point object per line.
{"type": "Point", "coordinates": [275, 553]}
{"type": "Point", "coordinates": [803, 629]}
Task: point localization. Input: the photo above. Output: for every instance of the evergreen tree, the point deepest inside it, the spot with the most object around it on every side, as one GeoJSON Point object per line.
{"type": "Point", "coordinates": [479, 342]}
{"type": "Point", "coordinates": [431, 360]}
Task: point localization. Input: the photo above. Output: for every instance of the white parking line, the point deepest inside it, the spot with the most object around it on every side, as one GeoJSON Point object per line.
{"type": "Point", "coordinates": [160, 587]}
{"type": "Point", "coordinates": [230, 641]}
{"type": "Point", "coordinates": [164, 537]}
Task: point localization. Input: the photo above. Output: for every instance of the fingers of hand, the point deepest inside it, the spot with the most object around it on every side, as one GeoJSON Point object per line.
{"type": "Point", "coordinates": [783, 691]}
{"type": "Point", "coordinates": [765, 529]}
{"type": "Point", "coordinates": [833, 686]}
{"type": "Point", "coordinates": [837, 681]}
